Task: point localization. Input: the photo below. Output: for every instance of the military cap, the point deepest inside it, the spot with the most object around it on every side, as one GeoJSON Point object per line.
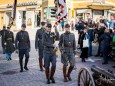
{"type": "Point", "coordinates": [49, 25]}
{"type": "Point", "coordinates": [23, 25]}
{"type": "Point", "coordinates": [67, 26]}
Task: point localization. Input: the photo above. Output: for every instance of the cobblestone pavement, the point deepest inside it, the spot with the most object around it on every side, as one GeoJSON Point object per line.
{"type": "Point", "coordinates": [10, 75]}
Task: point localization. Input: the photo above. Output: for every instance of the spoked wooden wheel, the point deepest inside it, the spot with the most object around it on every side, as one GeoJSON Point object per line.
{"type": "Point", "coordinates": [85, 78]}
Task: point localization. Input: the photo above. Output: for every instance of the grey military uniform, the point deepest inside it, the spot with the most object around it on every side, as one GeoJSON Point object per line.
{"type": "Point", "coordinates": [67, 45]}
{"type": "Point", "coordinates": [49, 53]}
{"type": "Point", "coordinates": [38, 42]}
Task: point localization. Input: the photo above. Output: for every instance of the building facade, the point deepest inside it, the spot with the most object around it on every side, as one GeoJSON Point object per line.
{"type": "Point", "coordinates": [81, 8]}
{"type": "Point", "coordinates": [27, 11]}
{"type": "Point", "coordinates": [31, 12]}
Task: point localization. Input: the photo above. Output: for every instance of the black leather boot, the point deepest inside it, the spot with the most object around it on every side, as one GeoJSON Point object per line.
{"type": "Point", "coordinates": [26, 62]}
{"type": "Point", "coordinates": [64, 73]}
{"type": "Point", "coordinates": [21, 63]}
{"type": "Point", "coordinates": [52, 74]}
{"type": "Point", "coordinates": [47, 75]}
{"type": "Point", "coordinates": [41, 64]}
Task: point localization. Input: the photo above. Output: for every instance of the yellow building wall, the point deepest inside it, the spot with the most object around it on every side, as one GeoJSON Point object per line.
{"type": "Point", "coordinates": [11, 1]}
{"type": "Point", "coordinates": [44, 4]}
{"type": "Point", "coordinates": [1, 19]}
{"type": "Point", "coordinates": [111, 1]}
{"type": "Point", "coordinates": [51, 3]}
{"type": "Point", "coordinates": [82, 5]}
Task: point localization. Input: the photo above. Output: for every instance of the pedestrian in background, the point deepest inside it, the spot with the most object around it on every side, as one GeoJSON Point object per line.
{"type": "Point", "coordinates": [100, 32]}
{"type": "Point", "coordinates": [72, 26]}
{"type": "Point", "coordinates": [22, 43]}
{"type": "Point", "coordinates": [106, 39]}
{"type": "Point", "coordinates": [84, 49]}
{"type": "Point", "coordinates": [9, 43]}
{"type": "Point", "coordinates": [62, 25]}
{"type": "Point", "coordinates": [79, 26]}
{"type": "Point", "coordinates": [39, 44]}
{"type": "Point", "coordinates": [91, 38]}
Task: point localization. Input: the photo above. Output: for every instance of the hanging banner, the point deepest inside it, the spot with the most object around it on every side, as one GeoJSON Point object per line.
{"type": "Point", "coordinates": [61, 8]}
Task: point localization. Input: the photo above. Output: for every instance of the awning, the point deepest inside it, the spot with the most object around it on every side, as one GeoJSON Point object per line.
{"type": "Point", "coordinates": [111, 11]}
{"type": "Point", "coordinates": [100, 6]}
{"type": "Point", "coordinates": [83, 10]}
{"type": "Point", "coordinates": [6, 9]}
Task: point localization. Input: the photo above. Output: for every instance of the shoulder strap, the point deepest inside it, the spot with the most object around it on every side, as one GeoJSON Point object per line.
{"type": "Point", "coordinates": [63, 40]}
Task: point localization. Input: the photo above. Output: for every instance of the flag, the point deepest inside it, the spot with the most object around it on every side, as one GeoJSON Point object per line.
{"type": "Point", "coordinates": [14, 9]}
{"type": "Point", "coordinates": [13, 13]}
{"type": "Point", "coordinates": [61, 14]}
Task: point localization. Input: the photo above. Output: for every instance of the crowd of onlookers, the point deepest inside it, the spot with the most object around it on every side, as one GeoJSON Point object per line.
{"type": "Point", "coordinates": [102, 32]}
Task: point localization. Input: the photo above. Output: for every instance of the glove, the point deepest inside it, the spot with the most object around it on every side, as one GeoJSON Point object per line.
{"type": "Point", "coordinates": [17, 51]}
{"type": "Point", "coordinates": [14, 44]}
{"type": "Point", "coordinates": [54, 45]}
{"type": "Point", "coordinates": [5, 43]}
{"type": "Point", "coordinates": [75, 52]}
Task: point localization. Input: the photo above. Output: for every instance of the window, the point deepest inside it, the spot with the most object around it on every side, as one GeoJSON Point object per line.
{"type": "Point", "coordinates": [98, 12]}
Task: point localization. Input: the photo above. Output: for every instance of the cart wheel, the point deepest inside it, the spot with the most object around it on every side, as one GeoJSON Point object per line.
{"type": "Point", "coordinates": [85, 78]}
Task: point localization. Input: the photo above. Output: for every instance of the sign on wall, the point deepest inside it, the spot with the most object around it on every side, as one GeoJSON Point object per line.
{"type": "Point", "coordinates": [29, 18]}
{"type": "Point", "coordinates": [99, 1]}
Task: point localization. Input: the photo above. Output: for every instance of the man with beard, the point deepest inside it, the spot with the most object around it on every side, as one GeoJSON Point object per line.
{"type": "Point", "coordinates": [67, 47]}
{"type": "Point", "coordinates": [49, 53]}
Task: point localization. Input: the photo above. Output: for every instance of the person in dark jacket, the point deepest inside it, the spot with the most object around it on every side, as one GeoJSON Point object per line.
{"type": "Point", "coordinates": [49, 53]}
{"type": "Point", "coordinates": [2, 34]}
{"type": "Point", "coordinates": [84, 50]}
{"type": "Point", "coordinates": [67, 45]}
{"type": "Point", "coordinates": [91, 38]}
{"type": "Point", "coordinates": [79, 26]}
{"type": "Point", "coordinates": [9, 43]}
{"type": "Point", "coordinates": [100, 33]}
{"type": "Point", "coordinates": [106, 39]}
{"type": "Point", "coordinates": [22, 43]}
{"type": "Point", "coordinates": [39, 44]}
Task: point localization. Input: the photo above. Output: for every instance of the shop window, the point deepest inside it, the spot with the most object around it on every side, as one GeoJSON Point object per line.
{"type": "Point", "coordinates": [98, 12]}
{"type": "Point", "coordinates": [52, 13]}
{"type": "Point", "coordinates": [79, 15]}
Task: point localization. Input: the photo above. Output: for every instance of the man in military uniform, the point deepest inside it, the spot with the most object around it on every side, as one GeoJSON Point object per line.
{"type": "Point", "coordinates": [22, 42]}
{"type": "Point", "coordinates": [9, 43]}
{"type": "Point", "coordinates": [67, 47]}
{"type": "Point", "coordinates": [49, 53]}
{"type": "Point", "coordinates": [3, 33]}
{"type": "Point", "coordinates": [39, 45]}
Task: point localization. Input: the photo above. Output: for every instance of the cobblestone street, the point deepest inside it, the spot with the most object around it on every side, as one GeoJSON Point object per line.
{"type": "Point", "coordinates": [10, 75]}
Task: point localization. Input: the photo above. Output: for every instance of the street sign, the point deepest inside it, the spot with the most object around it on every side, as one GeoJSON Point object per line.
{"type": "Point", "coordinates": [36, 11]}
